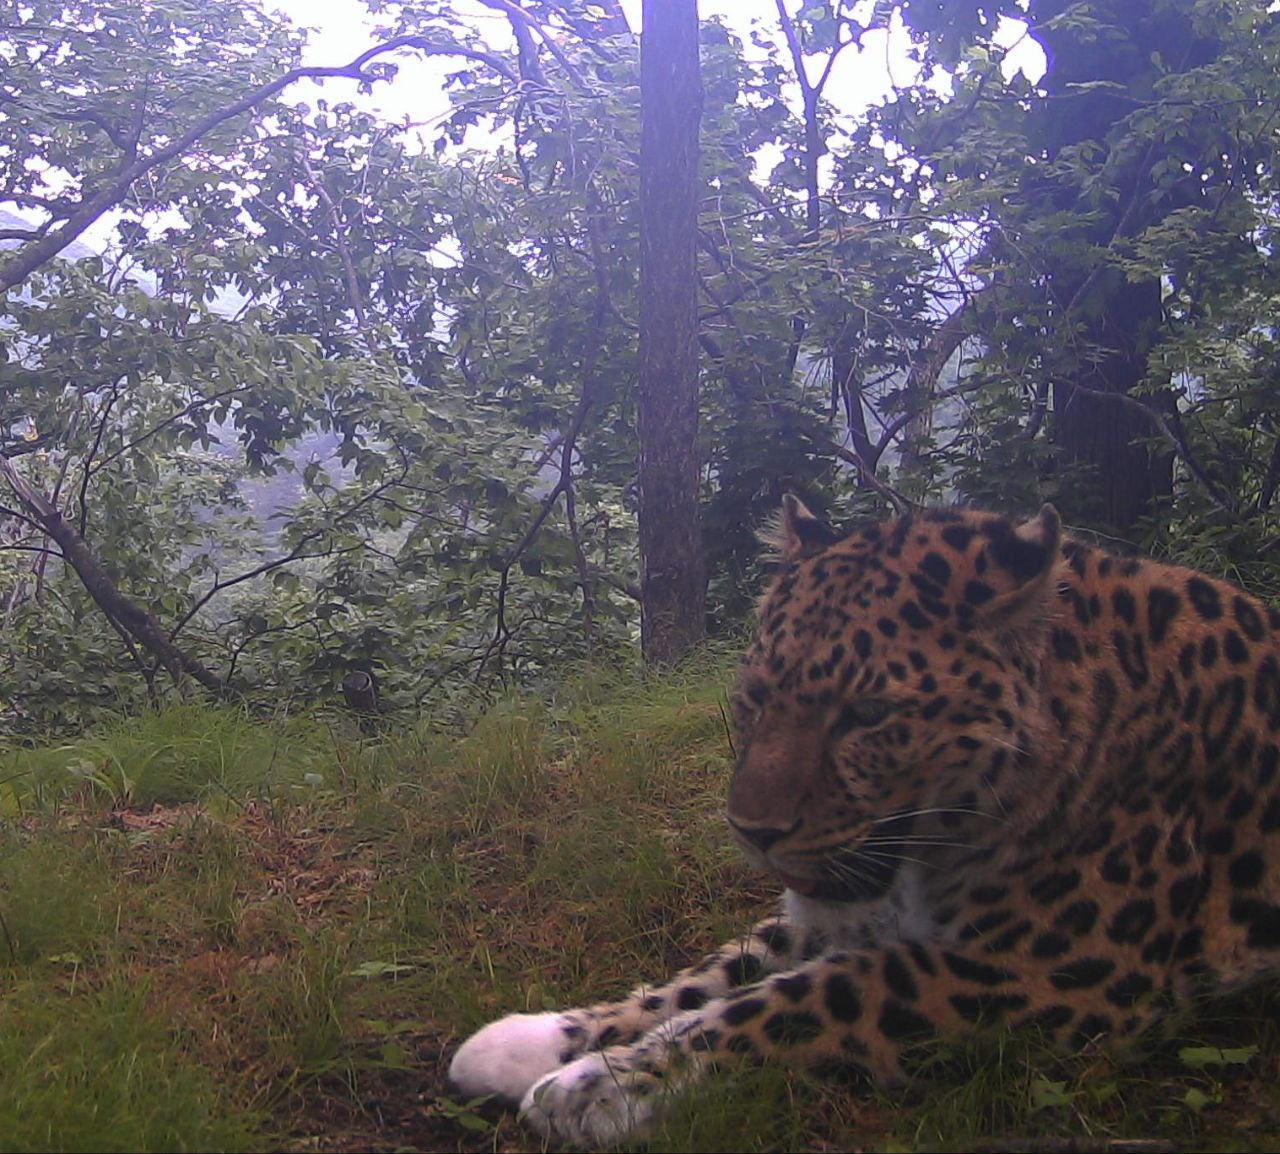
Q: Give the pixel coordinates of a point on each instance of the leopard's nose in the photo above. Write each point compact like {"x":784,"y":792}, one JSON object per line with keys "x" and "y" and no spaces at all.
{"x":761,"y":836}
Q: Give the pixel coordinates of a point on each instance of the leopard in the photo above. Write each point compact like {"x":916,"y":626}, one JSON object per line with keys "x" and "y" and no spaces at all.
{"x":1006,"y":779}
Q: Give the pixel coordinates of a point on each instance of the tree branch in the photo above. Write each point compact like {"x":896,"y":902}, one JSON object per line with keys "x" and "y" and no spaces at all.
{"x":586,"y":400}
{"x":344,"y":252}
{"x":294,"y":554}
{"x":518,"y":16}
{"x":140,"y":624}
{"x":1180,"y":449}
{"x":185,"y":411}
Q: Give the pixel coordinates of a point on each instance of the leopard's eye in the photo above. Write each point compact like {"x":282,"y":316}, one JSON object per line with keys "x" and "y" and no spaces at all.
{"x":860,"y":714}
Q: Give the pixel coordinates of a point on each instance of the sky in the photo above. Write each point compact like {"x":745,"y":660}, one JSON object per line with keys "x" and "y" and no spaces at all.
{"x":342,"y":29}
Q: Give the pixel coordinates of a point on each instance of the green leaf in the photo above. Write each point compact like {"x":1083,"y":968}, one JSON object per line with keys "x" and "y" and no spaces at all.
{"x":1195,"y":1100}
{"x":1046,"y":1094}
{"x":395,"y":1056}
{"x":1202,"y":1057}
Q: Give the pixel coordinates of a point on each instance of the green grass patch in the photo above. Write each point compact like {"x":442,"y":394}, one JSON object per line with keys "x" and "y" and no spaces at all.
{"x":109,"y":1076}
{"x":54,"y":897}
{"x":225,"y":932}
{"x":180,"y":754}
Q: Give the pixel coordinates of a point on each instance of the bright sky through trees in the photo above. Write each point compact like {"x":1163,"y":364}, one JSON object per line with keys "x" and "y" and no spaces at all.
{"x":342,"y":28}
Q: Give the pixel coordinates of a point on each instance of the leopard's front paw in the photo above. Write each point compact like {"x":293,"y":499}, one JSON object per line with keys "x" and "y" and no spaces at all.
{"x":508,"y":1056}
{"x":593,"y":1102}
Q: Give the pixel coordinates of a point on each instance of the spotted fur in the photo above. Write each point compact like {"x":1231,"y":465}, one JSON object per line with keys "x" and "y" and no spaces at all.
{"x":1004,"y":777}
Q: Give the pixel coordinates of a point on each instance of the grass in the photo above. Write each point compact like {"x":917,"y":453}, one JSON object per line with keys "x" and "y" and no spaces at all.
{"x":113,"y":1077}
{"x":224,"y":932}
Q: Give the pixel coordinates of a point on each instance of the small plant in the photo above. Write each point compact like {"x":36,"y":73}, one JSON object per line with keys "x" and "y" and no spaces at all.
{"x":466,"y":1114}
{"x":1204,"y":1060}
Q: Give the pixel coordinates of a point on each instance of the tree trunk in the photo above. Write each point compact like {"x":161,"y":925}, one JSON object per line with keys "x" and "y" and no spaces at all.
{"x":846,"y":391}
{"x":1093,"y":83}
{"x":1094,"y":427}
{"x":673,"y":572}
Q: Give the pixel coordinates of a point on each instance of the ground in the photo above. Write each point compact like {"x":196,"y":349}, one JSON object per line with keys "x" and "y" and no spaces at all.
{"x":235,"y":933}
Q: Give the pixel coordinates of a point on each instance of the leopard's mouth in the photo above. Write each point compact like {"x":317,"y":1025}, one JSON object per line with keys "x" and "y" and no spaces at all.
{"x":803,"y":886}
{"x":874,"y":880}
{"x":859,"y":873}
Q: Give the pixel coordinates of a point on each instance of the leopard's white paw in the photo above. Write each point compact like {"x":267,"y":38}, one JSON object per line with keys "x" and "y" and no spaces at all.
{"x":508,"y":1056}
{"x":591,"y":1103}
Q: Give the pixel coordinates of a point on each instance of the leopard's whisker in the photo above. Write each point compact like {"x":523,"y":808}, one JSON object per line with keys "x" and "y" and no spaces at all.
{"x":917,"y":841}
{"x":926,"y":812}
{"x":846,"y":870}
{"x":884,"y":855}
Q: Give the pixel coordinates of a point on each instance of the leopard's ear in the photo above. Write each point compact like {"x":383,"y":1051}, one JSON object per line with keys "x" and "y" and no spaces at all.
{"x":1023,"y":560}
{"x":799,"y":533}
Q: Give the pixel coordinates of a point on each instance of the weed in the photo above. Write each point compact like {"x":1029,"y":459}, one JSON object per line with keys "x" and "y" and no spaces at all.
{"x":53,"y":895}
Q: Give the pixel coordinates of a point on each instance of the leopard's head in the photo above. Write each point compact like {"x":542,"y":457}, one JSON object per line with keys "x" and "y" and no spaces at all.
{"x":888,"y":710}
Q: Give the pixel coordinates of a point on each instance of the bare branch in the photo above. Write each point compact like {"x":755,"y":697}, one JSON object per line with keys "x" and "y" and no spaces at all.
{"x":185,"y":411}
{"x":40,"y":549}
{"x":902,"y":420}
{"x":13,"y":449}
{"x":615,"y":582}
{"x":901,"y":503}
{"x":6,"y":511}
{"x":297,"y":553}
{"x":88,"y":461}
{"x":1179,"y":446}
{"x":113,"y":132}
{"x":354,"y":297}
{"x":586,"y":400}
{"x":519,"y":17}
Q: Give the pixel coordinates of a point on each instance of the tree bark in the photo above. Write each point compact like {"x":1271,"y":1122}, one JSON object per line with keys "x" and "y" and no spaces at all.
{"x":1093,"y":83}
{"x":673,"y":571}
{"x":1108,"y":436}
{"x":846,"y":390}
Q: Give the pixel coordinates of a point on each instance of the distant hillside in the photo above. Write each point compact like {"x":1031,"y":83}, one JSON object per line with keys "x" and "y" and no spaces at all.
{"x":273,"y":497}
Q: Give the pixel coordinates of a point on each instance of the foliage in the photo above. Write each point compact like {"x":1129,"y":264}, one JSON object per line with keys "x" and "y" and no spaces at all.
{"x":1111,"y":229}
{"x":344,"y":394}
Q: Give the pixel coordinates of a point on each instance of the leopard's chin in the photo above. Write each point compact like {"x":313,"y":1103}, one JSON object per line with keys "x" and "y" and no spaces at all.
{"x":805,"y":887}
{"x":863,"y":889}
